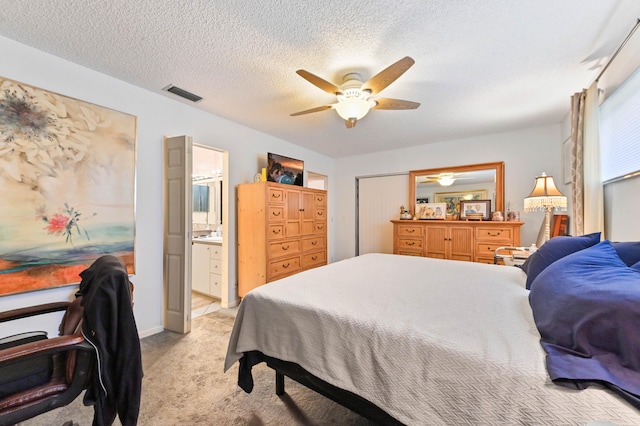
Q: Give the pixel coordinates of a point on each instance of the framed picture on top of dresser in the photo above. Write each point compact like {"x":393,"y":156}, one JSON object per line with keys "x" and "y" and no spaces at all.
{"x":431,"y":211}
{"x":475,"y":209}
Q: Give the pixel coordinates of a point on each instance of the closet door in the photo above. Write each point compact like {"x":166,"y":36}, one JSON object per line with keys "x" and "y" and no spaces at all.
{"x":379,"y":201}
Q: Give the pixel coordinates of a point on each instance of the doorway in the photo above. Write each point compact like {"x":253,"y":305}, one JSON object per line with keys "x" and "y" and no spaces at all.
{"x":317,"y":181}
{"x":207,"y":220}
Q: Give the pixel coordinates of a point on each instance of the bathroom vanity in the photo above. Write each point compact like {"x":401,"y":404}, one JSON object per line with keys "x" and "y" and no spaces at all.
{"x":206,"y":254}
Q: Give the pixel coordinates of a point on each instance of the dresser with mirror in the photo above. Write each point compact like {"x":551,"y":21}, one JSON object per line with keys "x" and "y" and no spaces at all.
{"x":451,"y":210}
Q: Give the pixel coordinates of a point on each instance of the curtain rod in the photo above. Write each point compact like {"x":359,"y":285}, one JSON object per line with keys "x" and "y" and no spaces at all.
{"x":633,"y":30}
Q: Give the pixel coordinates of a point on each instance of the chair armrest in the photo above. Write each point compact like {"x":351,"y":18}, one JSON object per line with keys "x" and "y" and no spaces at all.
{"x":44,"y":347}
{"x":30,"y":311}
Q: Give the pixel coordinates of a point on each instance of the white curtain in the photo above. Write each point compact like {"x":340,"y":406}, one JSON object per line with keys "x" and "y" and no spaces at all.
{"x":593,"y":188}
{"x":577,"y":143}
{"x":586,"y":182}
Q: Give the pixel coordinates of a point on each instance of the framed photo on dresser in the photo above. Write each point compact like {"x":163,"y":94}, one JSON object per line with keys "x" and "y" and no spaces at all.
{"x":472,"y":208}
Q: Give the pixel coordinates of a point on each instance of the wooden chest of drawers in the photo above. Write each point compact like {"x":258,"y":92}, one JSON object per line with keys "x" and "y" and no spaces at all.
{"x":282,"y":230}
{"x":473,"y":241}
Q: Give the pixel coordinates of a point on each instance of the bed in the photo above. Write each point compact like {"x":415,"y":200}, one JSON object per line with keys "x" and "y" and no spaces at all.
{"x":410,"y":340}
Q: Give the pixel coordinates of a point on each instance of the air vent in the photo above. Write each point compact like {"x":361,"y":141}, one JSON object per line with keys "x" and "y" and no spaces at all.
{"x":182,"y":93}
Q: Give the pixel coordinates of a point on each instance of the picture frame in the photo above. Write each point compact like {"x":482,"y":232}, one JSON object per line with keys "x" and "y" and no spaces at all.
{"x":431,"y":211}
{"x":74,"y":200}
{"x":453,"y":199}
{"x":472,"y":207}
{"x":284,"y":170}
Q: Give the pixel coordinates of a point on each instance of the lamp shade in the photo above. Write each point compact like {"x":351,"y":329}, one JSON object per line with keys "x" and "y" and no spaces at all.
{"x":544,"y":195}
{"x":353,"y":108}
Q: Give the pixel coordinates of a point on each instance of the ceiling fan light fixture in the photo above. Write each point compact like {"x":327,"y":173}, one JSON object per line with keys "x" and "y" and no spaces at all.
{"x":353,"y":95}
{"x":446,"y":180}
{"x":353,"y":108}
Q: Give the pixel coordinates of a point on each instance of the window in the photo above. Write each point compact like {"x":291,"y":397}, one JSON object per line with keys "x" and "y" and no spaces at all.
{"x":620,"y":131}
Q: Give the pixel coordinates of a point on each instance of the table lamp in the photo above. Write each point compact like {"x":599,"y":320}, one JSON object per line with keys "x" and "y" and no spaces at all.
{"x":545,"y":196}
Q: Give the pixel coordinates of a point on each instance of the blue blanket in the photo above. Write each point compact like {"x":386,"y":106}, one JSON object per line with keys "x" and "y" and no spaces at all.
{"x":587,"y":309}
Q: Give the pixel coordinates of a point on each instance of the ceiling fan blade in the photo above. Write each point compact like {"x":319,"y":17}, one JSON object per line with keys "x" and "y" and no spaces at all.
{"x":388,"y":75}
{"x":319,"y":82}
{"x":309,"y":111}
{"x":350,"y":123}
{"x":387,"y":103}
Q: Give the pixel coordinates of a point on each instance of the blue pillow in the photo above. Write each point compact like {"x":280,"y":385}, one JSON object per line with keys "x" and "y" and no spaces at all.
{"x":636,"y":266}
{"x":587,"y":309}
{"x":554,"y":249}
{"x":629,"y":251}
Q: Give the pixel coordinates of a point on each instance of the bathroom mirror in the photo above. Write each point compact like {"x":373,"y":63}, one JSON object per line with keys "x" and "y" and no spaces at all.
{"x":452,"y":184}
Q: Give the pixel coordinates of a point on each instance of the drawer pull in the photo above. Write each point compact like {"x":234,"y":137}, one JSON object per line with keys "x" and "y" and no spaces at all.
{"x":314,"y":243}
{"x":410,"y":243}
{"x":411,"y":231}
{"x":275,"y":195}
{"x":276,"y":231}
{"x":319,"y":227}
{"x":319,"y":199}
{"x":314,"y":257}
{"x":494,"y":235}
{"x":319,"y":213}
{"x":285,"y":248}
{"x":286,"y":266}
{"x":276,"y":213}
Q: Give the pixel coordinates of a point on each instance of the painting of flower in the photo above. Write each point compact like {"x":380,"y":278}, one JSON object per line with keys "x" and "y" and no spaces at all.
{"x":78,"y":158}
{"x":65,"y":223}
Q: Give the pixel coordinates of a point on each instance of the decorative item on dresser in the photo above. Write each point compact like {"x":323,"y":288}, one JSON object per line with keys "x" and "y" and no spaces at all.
{"x":473,"y":241}
{"x":282,"y":230}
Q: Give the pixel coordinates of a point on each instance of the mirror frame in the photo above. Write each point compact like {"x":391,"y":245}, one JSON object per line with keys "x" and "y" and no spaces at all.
{"x":497,"y":166}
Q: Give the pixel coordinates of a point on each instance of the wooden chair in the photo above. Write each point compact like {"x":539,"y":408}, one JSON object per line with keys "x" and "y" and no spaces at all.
{"x":39,"y":374}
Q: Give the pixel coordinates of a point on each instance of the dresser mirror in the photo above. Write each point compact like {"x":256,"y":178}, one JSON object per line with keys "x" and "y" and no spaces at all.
{"x":450,"y":185}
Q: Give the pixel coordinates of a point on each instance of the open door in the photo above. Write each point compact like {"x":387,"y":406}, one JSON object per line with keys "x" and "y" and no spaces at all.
{"x":177,"y":233}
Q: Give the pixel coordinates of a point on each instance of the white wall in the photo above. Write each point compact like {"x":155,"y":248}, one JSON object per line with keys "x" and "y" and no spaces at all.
{"x":526,"y":154}
{"x":158,"y":116}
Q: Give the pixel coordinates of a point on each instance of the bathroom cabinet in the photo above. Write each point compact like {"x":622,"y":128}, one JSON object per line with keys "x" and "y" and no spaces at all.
{"x":206,"y":271}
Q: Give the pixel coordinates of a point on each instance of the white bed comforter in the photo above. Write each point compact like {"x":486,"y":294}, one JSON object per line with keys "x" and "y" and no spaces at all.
{"x":429,"y":341}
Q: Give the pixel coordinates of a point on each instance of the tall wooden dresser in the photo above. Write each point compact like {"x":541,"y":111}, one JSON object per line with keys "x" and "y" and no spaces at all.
{"x":282,"y":230}
{"x":473,"y":241}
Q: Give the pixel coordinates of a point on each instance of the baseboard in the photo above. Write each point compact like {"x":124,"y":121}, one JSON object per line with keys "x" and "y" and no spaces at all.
{"x":150,"y":332}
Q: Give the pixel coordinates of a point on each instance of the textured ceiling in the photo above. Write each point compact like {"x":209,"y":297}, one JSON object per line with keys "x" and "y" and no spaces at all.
{"x":482,"y":66}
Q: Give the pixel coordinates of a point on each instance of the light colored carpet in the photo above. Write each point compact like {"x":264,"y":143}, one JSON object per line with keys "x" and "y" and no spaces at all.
{"x":184,"y":385}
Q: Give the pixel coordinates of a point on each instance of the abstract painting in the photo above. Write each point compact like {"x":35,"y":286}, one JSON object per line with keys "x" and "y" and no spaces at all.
{"x":67,"y":182}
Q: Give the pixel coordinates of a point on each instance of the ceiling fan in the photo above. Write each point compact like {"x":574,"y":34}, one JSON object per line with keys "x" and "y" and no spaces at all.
{"x":354,"y":96}
{"x":444,"y":179}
